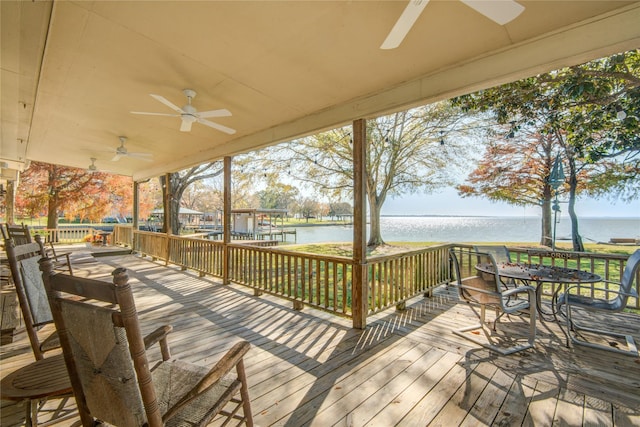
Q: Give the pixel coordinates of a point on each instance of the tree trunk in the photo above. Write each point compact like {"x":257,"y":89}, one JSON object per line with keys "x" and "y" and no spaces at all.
{"x":578,"y":246}
{"x":174,"y":201}
{"x":52,"y":211}
{"x":576,"y":239}
{"x":375,"y":236}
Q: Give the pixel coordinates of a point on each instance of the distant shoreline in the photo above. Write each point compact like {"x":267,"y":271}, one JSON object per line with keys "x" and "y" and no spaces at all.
{"x":498,"y":216}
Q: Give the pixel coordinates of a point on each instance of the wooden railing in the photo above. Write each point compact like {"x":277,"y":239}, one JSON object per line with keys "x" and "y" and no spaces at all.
{"x":204,"y":256}
{"x":325,"y":282}
{"x":607,"y":266}
{"x":65,"y":235}
{"x":319,"y":281}
{"x":152,"y":244}
{"x":123,"y":235}
{"x":394,"y":279}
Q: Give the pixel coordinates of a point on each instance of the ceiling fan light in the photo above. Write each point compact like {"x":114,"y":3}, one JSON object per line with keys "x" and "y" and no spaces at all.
{"x":188,"y":118}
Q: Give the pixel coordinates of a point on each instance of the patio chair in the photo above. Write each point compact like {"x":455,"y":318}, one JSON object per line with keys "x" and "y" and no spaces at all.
{"x":484,"y":291}
{"x":572,"y":300}
{"x":32,"y":296}
{"x":107,"y":361}
{"x":501,"y":254}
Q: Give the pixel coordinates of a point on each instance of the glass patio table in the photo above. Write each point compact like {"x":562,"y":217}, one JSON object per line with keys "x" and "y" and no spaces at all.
{"x":538,"y":274}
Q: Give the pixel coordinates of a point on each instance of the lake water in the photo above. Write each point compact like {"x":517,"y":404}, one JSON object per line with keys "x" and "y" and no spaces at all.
{"x":476,"y":229}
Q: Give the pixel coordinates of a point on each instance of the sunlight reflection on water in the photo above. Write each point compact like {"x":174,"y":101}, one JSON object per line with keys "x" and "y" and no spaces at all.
{"x":476,"y":229}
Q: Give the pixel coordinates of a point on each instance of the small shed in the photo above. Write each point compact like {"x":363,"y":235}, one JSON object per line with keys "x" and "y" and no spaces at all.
{"x":186,"y":216}
{"x":251,"y":221}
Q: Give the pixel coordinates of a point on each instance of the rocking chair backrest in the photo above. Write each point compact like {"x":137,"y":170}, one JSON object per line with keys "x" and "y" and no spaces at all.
{"x":103,"y":348}
{"x":32,"y":295}
{"x":19,"y":233}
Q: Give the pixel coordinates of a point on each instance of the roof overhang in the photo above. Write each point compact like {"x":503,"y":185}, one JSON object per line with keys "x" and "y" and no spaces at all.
{"x":72,"y":72}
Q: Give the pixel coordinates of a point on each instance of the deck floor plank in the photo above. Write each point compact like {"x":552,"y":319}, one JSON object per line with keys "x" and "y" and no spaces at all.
{"x":406,"y":368}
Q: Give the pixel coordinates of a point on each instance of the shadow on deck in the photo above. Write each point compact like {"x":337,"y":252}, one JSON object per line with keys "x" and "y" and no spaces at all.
{"x":405,"y":368}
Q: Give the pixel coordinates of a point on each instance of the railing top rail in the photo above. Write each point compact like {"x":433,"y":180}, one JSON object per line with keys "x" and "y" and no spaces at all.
{"x":408,"y":254}
{"x":335,"y":258}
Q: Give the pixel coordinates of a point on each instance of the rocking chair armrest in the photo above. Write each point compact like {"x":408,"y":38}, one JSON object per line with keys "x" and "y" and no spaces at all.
{"x":160,"y":336}
{"x":63,"y":254}
{"x":232,"y":358}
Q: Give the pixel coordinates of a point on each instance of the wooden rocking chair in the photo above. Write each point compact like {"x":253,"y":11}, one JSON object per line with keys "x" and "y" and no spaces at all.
{"x":106,"y":358}
{"x":21,"y":235}
{"x":32,"y":295}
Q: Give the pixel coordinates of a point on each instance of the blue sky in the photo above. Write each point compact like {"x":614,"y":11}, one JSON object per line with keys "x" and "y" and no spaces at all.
{"x":447,"y":202}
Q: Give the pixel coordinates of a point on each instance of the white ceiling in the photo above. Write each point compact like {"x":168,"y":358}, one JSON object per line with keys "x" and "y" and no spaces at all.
{"x":73,"y":71}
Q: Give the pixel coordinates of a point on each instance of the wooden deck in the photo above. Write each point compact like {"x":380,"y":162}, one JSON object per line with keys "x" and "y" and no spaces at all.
{"x":309,"y":368}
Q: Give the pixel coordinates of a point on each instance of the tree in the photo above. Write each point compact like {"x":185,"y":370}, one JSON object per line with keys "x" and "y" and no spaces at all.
{"x":180,"y":181}
{"x":516,"y":170}
{"x":407,"y":152}
{"x":340,"y":209}
{"x":278,"y":196}
{"x":57,"y":189}
{"x":578,"y":109}
{"x":308,"y":208}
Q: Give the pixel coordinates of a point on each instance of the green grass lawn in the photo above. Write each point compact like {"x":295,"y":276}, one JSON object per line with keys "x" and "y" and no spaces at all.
{"x":346,"y":249}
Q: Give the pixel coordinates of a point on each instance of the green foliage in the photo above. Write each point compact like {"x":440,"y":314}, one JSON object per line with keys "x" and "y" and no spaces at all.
{"x":572,"y":112}
{"x":410,"y":151}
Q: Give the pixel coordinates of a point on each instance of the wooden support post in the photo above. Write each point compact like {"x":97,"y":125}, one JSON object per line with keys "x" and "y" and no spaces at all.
{"x":167,"y":214}
{"x":226,"y":220}
{"x":136,"y":215}
{"x":10,"y":201}
{"x":360,"y":288}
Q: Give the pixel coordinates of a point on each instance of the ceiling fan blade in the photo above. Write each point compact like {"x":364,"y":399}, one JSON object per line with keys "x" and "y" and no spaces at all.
{"x":168,"y":103}
{"x":116,"y":158}
{"x":217,"y":126}
{"x":185,"y":126}
{"x":154,"y":114}
{"x":147,"y":157}
{"x":215,"y":113}
{"x":500,"y":12}
{"x":404,"y":24}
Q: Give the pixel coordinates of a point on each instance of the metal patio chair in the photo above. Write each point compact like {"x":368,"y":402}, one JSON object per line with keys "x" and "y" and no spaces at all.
{"x":106,"y":357}
{"x":572,"y":300}
{"x":484,"y":291}
{"x":501,"y":254}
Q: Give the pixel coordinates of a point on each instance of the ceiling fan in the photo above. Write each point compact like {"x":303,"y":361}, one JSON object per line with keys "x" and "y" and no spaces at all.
{"x":92,"y":167}
{"x":188,"y":114}
{"x":121,"y":151}
{"x":499,"y":11}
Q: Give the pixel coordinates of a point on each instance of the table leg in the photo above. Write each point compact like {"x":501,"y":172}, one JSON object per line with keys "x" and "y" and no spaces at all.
{"x":541,"y":311}
{"x":31,"y":418}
